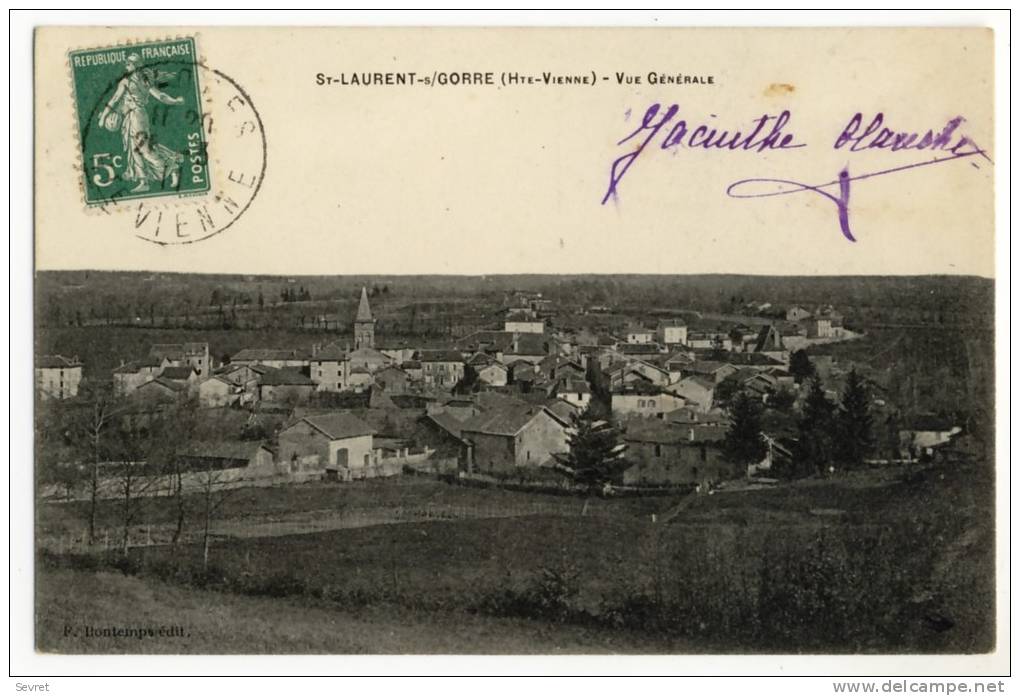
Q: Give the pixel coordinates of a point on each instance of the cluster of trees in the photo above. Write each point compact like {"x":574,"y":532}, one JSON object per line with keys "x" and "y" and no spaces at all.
{"x":95,"y":448}
{"x":301,"y":294}
{"x":829,"y":435}
{"x":833,"y":434}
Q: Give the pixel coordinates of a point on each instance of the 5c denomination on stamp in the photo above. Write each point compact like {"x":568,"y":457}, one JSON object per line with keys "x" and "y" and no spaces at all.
{"x":140,"y":121}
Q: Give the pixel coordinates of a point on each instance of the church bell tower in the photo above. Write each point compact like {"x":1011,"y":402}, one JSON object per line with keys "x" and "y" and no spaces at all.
{"x":364,"y":324}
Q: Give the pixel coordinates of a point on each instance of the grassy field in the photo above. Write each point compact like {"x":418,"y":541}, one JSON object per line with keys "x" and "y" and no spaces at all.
{"x":217,"y":623}
{"x":409,"y":495}
{"x":872,"y":562}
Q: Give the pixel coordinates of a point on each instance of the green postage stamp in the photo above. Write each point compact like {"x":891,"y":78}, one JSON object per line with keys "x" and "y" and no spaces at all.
{"x":140,"y":121}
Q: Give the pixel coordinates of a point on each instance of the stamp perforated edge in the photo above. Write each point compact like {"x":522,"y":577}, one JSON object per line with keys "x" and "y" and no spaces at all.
{"x":169,"y":202}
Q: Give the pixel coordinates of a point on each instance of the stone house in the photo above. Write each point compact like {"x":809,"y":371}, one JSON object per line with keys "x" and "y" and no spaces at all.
{"x":392,"y":379}
{"x":218,"y":391}
{"x":441,"y":368}
{"x":520,"y":323}
{"x":796,"y":313}
{"x":329,"y":368}
{"x":271,"y":357}
{"x":131,"y":375}
{"x":185,"y":375}
{"x":194,"y":355}
{"x":639,"y":336}
{"x":57,"y":377}
{"x":671,"y":332}
{"x":337,"y":441}
{"x":644,"y":401}
{"x":575,"y":392}
{"x":160,"y":391}
{"x":697,"y":390}
{"x":667,"y":454}
{"x":508,"y":438}
{"x":285,"y":386}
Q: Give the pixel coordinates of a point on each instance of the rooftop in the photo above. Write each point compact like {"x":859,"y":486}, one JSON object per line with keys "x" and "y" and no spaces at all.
{"x":175,"y":372}
{"x":283,"y":377}
{"x":364,"y":311}
{"x":338,"y":426}
{"x":505,"y":420}
{"x":440,"y":356}
{"x":55,"y":361}
{"x":266,"y":354}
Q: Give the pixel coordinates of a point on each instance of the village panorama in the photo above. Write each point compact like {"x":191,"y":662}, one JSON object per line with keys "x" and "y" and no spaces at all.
{"x":513,"y":464}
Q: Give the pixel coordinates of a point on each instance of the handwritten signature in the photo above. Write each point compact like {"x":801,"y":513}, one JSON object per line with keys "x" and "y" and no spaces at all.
{"x":768,"y":134}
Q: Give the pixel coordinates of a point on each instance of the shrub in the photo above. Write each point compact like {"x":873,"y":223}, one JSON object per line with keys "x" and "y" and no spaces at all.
{"x":551,"y":595}
{"x":275,"y":585}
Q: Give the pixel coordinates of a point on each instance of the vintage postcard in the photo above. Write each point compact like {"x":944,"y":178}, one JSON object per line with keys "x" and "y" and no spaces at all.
{"x":645,"y":341}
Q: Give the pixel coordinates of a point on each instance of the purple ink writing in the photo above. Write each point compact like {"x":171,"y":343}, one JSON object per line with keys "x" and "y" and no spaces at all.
{"x":766,"y":133}
{"x":783,"y":187}
{"x":875,"y":136}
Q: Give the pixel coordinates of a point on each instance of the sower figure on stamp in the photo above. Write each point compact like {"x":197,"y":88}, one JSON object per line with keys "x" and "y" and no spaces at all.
{"x":146,"y":160}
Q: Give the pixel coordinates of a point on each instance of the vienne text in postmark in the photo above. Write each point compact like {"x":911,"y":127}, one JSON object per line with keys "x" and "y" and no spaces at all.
{"x":173,"y":148}
{"x":140,"y":121}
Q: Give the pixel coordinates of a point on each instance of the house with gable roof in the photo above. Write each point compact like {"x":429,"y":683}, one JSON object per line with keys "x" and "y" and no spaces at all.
{"x":337,"y":441}
{"x":512,"y":436}
{"x":194,"y":355}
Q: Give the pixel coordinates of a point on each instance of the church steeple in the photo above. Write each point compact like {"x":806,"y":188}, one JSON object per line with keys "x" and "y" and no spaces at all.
{"x":364,"y":324}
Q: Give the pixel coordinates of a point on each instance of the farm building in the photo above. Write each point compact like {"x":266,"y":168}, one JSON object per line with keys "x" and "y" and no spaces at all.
{"x":160,"y":390}
{"x":285,"y":386}
{"x":226,"y":454}
{"x":218,"y":391}
{"x":335,"y":441}
{"x":665,"y":454}
{"x":512,"y":436}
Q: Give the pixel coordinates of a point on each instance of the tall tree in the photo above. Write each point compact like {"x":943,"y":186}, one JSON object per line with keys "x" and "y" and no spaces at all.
{"x":177,"y":426}
{"x":854,"y":436}
{"x":214,"y":487}
{"x":801,"y":366}
{"x":813,"y":452}
{"x":88,"y":429}
{"x":595,"y":455}
{"x":727,"y":390}
{"x":718,"y":351}
{"x":469,"y":382}
{"x":743,"y":443}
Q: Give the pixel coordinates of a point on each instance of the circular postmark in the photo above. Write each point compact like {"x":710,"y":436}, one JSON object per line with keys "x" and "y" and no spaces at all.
{"x":174,"y":148}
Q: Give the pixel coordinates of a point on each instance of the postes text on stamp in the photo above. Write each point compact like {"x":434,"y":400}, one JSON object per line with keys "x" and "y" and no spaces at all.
{"x":140,"y":121}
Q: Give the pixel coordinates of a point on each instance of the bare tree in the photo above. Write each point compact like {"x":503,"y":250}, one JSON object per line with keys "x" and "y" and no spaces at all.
{"x":176,"y":427}
{"x":133,"y":483}
{"x":88,"y":429}
{"x":214,"y":491}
